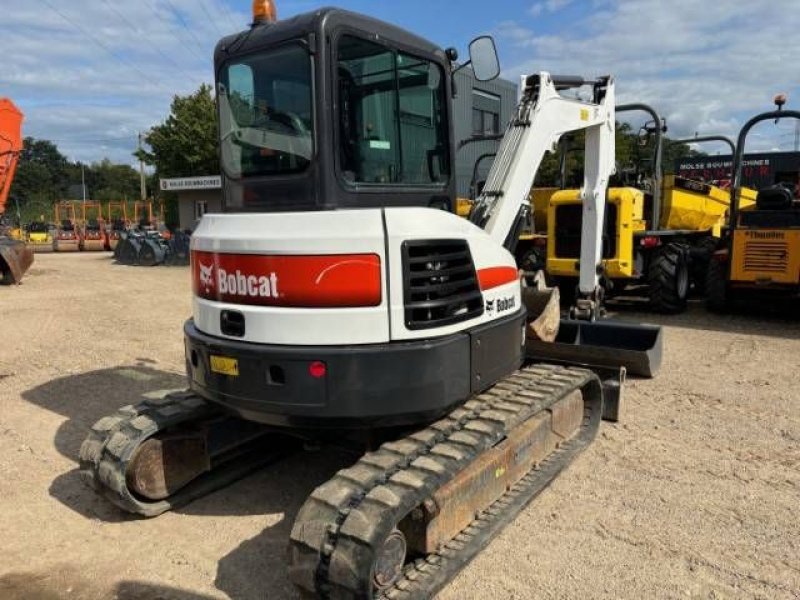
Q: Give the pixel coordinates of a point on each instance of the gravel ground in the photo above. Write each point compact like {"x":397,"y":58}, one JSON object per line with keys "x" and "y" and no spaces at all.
{"x":694,"y":494}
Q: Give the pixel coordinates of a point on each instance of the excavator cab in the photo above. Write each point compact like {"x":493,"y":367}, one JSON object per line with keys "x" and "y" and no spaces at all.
{"x":333,"y":109}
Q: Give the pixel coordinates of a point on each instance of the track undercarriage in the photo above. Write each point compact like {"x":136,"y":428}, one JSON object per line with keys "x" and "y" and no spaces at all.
{"x":402,"y":520}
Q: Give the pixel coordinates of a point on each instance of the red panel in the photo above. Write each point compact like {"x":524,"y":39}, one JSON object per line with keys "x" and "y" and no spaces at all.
{"x":492,"y":277}
{"x":307,"y":281}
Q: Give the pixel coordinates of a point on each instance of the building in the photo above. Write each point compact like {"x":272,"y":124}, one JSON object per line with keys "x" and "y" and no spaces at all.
{"x":759,"y":170}
{"x":196,"y":197}
{"x":479,"y":108}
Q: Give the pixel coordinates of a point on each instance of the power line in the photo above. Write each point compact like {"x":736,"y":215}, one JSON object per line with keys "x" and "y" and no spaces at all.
{"x":185,"y":25}
{"x":101,"y":44}
{"x":210,"y":18}
{"x":91,"y":140}
{"x":201,"y":54}
{"x":143,"y":34}
{"x":229,"y":15}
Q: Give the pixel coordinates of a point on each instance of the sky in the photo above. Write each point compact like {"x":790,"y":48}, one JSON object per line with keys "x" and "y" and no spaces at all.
{"x":91,"y":74}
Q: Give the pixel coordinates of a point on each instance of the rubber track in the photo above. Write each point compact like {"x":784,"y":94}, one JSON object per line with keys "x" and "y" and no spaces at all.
{"x":339,"y":528}
{"x":105,"y":453}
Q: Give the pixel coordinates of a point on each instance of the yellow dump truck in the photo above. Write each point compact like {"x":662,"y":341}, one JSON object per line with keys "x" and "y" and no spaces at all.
{"x":657,"y":241}
{"x":758,"y":258}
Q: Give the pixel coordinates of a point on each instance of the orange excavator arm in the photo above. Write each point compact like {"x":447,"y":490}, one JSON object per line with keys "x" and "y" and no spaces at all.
{"x":10,"y":146}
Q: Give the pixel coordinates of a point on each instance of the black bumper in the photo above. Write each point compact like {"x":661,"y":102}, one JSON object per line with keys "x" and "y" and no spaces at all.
{"x":365,"y":386}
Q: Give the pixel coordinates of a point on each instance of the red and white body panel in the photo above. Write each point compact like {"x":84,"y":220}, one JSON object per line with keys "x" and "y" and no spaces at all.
{"x":294,"y":293}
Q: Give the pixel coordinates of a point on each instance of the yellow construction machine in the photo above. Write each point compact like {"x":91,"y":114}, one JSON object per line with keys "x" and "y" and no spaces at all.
{"x":759,"y":253}
{"x":658,"y":231}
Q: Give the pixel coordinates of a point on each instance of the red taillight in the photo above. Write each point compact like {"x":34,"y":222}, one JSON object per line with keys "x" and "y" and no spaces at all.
{"x":317,"y":369}
{"x":650,"y":241}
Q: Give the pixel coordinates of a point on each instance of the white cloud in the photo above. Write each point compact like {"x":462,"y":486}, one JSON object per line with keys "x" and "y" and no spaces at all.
{"x":705,"y":70}
{"x":99,"y":72}
{"x":549,"y":6}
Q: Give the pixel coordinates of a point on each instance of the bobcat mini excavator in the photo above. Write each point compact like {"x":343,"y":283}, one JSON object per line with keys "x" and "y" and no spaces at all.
{"x":335,"y":299}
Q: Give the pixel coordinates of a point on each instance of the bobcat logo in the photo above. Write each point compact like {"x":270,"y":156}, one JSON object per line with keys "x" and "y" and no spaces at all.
{"x":206,"y":276}
{"x":490,"y":306}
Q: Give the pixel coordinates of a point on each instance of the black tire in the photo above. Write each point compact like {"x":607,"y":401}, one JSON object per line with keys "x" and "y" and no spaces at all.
{"x":716,"y":287}
{"x":701,"y":257}
{"x":668,"y":278}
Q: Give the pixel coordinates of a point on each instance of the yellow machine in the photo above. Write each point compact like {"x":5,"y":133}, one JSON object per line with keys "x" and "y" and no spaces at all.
{"x":688,"y":206}
{"x":759,"y":255}
{"x":658,"y":238}
{"x":39,"y":237}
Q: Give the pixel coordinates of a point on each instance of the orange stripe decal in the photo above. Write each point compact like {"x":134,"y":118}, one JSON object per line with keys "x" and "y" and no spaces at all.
{"x":307,"y":281}
{"x":492,"y":277}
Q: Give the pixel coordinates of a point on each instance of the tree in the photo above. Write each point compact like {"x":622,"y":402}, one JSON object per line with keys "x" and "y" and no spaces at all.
{"x":185,"y":144}
{"x":42,"y":173}
{"x":108,"y":181}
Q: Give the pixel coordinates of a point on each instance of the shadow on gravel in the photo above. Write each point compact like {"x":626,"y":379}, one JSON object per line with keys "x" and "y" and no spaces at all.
{"x":84,"y":398}
{"x":256,"y":568}
{"x":64,"y":582}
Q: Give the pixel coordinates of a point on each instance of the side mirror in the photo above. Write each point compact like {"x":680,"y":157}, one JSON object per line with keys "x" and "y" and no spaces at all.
{"x":644,"y":137}
{"x":483,"y":56}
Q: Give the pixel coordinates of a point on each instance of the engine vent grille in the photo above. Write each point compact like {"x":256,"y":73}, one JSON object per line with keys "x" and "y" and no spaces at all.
{"x":768,"y":257}
{"x":440,"y":284}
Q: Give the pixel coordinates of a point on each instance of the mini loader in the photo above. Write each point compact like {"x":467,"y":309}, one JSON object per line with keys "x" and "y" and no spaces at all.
{"x":337,"y":297}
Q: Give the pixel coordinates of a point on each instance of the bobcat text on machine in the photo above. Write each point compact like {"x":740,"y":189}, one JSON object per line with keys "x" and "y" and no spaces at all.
{"x":340,"y":297}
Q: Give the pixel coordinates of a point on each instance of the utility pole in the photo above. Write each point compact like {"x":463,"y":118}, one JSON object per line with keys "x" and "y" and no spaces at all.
{"x":83,"y":186}
{"x":142,"y":185}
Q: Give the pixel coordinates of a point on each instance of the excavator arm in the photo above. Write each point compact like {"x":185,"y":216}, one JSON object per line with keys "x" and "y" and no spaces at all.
{"x":10,"y":146}
{"x":15,"y":257}
{"x":542,"y":117}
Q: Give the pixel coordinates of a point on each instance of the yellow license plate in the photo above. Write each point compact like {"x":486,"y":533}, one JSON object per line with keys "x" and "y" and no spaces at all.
{"x":224,"y":365}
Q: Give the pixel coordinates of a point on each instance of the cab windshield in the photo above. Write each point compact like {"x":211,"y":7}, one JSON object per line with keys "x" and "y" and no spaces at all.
{"x":392,"y":117}
{"x":266,"y":113}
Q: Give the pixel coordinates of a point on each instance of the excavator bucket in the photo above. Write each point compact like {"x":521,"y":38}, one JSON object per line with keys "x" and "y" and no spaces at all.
{"x":127,"y":251}
{"x":178,"y":254}
{"x":544,"y":310}
{"x":151,"y":253}
{"x":15,"y":259}
{"x":603,"y":344}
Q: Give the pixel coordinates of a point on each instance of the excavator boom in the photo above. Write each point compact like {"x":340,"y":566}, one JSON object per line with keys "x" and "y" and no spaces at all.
{"x":15,"y":257}
{"x":10,"y":146}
